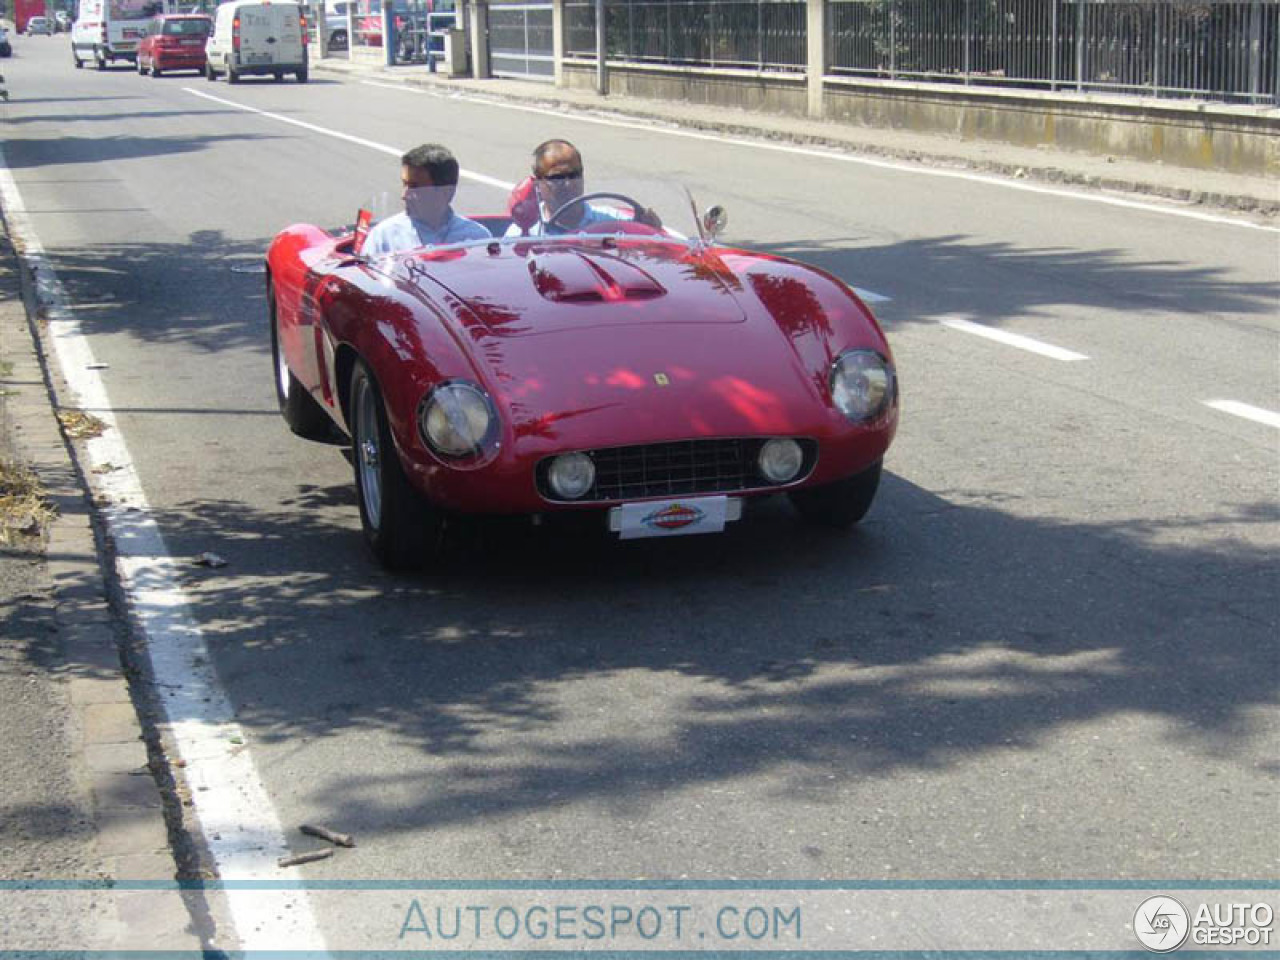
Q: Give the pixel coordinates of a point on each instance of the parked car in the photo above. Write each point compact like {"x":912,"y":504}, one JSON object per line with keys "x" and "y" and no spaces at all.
{"x":641,"y":373}
{"x":335,"y":24}
{"x":6,"y":48}
{"x":174,"y":42}
{"x":257,"y":37}
{"x":39,"y":25}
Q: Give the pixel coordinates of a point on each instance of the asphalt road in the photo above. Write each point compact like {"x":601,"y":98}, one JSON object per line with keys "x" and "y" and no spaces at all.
{"x":1049,"y":651}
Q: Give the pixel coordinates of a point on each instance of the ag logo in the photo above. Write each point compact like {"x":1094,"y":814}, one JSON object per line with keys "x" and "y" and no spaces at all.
{"x":1161,"y":923}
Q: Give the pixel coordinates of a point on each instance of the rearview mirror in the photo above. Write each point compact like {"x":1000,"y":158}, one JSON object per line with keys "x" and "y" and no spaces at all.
{"x":714,"y":221}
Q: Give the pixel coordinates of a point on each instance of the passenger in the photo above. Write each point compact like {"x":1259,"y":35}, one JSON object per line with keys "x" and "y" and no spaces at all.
{"x":558,"y":179}
{"x":429,"y":174}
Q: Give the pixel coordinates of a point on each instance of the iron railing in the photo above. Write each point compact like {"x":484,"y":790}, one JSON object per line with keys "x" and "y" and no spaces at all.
{"x":1223,"y":50}
{"x":1226,"y":50}
{"x":752,"y":34}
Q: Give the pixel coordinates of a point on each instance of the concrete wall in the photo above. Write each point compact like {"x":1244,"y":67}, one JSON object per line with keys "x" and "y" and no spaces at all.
{"x":1237,"y":139}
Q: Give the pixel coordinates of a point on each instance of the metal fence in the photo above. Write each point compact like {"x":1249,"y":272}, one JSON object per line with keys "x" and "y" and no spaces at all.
{"x":1227,"y":50}
{"x":1224,"y":50}
{"x":753,"y":34}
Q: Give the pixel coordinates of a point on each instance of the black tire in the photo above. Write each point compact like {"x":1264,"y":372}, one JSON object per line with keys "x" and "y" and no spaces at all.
{"x":232,"y":76}
{"x":78,"y":61}
{"x":279,"y":75}
{"x":302,"y":75}
{"x":100,"y":61}
{"x":155,"y":71}
{"x":400,"y":528}
{"x":300,"y":410}
{"x":209,"y":73}
{"x":840,"y":504}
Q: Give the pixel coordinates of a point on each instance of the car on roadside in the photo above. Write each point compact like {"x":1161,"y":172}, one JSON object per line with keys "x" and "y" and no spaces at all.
{"x":6,"y":47}
{"x":174,"y":42}
{"x":631,"y":368}
{"x":39,"y":25}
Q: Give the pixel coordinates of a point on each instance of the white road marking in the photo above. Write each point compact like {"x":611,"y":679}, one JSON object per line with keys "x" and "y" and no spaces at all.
{"x":359,"y":141}
{"x":233,"y":807}
{"x":1249,"y":412}
{"x":652,"y":128}
{"x":1011,"y":339}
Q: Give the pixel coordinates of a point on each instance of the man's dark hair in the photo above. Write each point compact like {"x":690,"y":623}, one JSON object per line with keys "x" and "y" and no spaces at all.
{"x":440,"y":164}
{"x":547,"y":146}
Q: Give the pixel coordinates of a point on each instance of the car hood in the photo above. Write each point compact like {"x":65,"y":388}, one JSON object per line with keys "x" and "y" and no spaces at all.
{"x":642,"y":342}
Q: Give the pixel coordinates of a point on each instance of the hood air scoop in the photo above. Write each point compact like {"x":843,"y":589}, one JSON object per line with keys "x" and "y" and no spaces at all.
{"x":571,"y":276}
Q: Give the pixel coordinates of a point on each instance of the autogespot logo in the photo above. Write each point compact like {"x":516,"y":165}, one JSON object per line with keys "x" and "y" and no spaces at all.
{"x":1161,"y":924}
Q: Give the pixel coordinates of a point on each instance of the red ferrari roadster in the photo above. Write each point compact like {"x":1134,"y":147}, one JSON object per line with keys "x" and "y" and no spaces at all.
{"x":600,"y":359}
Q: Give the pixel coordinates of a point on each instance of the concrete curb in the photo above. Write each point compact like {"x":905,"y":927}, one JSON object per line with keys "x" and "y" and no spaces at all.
{"x":114,"y":759}
{"x":1251,"y":195}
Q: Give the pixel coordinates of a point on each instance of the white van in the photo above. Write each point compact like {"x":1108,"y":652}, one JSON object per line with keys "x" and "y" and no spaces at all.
{"x":257,"y":37}
{"x":108,"y":30}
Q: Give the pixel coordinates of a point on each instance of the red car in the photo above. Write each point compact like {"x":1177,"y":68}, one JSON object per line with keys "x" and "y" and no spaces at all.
{"x":649,"y":375}
{"x":174,"y":42}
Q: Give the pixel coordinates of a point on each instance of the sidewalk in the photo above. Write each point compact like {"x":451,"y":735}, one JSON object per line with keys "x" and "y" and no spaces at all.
{"x":1212,"y":189}
{"x":81,"y":801}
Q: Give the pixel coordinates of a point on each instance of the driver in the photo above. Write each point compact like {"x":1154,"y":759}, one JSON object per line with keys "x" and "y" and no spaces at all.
{"x":429,"y":175}
{"x":558,"y":180}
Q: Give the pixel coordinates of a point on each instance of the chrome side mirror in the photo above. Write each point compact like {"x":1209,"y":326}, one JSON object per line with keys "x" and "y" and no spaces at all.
{"x":714,"y":221}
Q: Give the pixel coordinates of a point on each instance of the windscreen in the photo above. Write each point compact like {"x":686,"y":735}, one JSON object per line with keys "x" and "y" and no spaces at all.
{"x":186,"y":28}
{"x":132,"y":9}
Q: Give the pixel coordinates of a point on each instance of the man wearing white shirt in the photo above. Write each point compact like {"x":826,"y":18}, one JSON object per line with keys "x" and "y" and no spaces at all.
{"x":557,"y":180}
{"x":429,"y":176}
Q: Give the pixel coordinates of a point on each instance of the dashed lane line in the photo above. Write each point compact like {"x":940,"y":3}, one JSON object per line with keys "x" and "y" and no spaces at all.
{"x":1012,"y":339}
{"x":1245,"y":410}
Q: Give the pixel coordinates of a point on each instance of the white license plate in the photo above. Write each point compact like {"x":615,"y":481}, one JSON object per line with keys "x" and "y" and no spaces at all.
{"x":258,"y":58}
{"x":673,"y":518}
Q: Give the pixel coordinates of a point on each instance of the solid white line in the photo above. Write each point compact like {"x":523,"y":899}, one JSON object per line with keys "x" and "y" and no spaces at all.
{"x":1011,"y":339}
{"x":652,"y":128}
{"x":1235,"y":408}
{"x":359,"y":141}
{"x":239,"y":824}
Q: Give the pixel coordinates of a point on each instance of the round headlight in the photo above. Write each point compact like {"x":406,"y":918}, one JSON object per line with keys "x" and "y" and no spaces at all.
{"x":862,"y":384}
{"x":457,"y":420}
{"x":780,"y":460}
{"x":571,"y":475}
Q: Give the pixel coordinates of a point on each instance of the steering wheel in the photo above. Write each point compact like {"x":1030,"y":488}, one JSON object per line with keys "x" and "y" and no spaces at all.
{"x":587,"y":198}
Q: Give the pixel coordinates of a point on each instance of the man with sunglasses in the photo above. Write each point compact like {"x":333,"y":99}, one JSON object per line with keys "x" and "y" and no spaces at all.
{"x":429,"y":178}
{"x":558,"y":180}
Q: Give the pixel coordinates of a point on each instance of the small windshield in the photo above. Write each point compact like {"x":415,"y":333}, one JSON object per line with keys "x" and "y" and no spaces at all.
{"x":488,"y":210}
{"x":132,"y":9}
{"x":194,"y":27}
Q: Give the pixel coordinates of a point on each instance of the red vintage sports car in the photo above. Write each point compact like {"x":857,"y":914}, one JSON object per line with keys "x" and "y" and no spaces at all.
{"x":611,"y":362}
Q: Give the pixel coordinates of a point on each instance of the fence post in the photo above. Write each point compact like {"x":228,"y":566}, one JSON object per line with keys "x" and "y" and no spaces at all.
{"x":893,"y":39}
{"x":1079,"y":47}
{"x":1156,"y":49}
{"x":816,"y":54}
{"x":967,"y":35}
{"x":760,"y":35}
{"x":479,"y":31}
{"x":602,"y":51}
{"x":1053,"y":50}
{"x":557,"y":40}
{"x":1255,"y":51}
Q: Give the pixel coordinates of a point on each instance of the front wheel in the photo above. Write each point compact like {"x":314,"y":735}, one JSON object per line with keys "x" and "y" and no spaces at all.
{"x":300,"y":410}
{"x":840,"y":504}
{"x":209,"y":73}
{"x":302,"y":75}
{"x":401,"y":529}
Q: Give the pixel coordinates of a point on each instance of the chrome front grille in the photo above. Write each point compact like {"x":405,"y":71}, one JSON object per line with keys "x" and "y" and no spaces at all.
{"x":677,"y":469}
